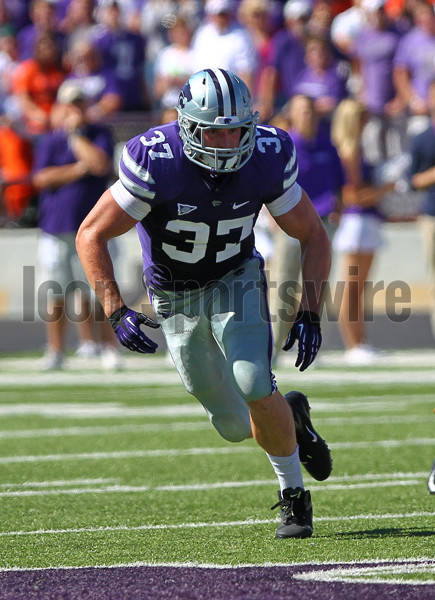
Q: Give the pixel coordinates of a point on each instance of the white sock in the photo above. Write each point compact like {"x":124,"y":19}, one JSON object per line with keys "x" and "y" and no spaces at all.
{"x":288,"y":470}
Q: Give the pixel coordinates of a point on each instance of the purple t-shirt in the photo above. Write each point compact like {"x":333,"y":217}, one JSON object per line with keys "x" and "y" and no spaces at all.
{"x":320,"y":171}
{"x":375,"y":49}
{"x":199,"y":228}
{"x":317,"y":85}
{"x":95,"y":85}
{"x":288,"y":57}
{"x":124,"y":53}
{"x":416,"y":52}
{"x":62,"y":209}
{"x":26,"y":39}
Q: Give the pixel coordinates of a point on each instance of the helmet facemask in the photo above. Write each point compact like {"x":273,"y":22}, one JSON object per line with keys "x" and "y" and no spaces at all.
{"x":216,"y":99}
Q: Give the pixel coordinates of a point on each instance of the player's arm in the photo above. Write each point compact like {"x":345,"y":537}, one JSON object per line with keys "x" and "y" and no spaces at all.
{"x":106,"y":221}
{"x":303,"y":223}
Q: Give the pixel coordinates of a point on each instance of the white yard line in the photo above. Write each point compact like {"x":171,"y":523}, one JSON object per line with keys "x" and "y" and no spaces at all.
{"x":125,"y":454}
{"x":235,"y":449}
{"x":416,"y":366}
{"x":430,"y":562}
{"x":191,"y":426}
{"x":110,"y":430}
{"x":170,"y":378}
{"x":58,"y":483}
{"x":104,"y":410}
{"x":332,"y":479}
{"x":246,"y":522}
{"x":388,"y":574}
{"x":90,"y":410}
{"x":383,"y":444}
{"x":140,"y":489}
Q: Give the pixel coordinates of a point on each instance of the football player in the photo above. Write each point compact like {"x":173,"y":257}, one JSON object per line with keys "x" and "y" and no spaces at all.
{"x":193,"y":188}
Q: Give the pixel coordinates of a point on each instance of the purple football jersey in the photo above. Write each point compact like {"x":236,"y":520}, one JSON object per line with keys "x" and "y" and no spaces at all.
{"x":200,"y":227}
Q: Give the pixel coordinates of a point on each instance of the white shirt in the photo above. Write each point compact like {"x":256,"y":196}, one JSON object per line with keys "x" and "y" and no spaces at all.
{"x":232,"y":50}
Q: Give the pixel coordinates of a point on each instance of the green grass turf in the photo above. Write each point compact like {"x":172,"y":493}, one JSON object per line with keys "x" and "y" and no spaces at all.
{"x":99,"y":487}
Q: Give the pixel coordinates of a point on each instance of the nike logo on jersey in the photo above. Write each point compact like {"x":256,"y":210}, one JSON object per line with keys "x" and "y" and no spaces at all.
{"x":235,"y":206}
{"x":313,"y":435}
{"x":183,"y":209}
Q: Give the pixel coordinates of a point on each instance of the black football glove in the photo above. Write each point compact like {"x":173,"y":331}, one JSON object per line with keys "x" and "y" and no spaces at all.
{"x":306,"y":329}
{"x":126,"y":325}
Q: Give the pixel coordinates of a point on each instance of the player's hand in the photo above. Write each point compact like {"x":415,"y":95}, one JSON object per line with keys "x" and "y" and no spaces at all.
{"x":126,"y":325}
{"x":306,"y":329}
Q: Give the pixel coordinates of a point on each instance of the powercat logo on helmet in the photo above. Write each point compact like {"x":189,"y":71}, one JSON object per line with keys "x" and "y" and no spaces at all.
{"x":226,"y":120}
{"x":185,"y":95}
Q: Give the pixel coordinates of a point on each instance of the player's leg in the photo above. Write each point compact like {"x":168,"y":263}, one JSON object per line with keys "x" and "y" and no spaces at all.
{"x":201,"y":363}
{"x":240,"y":324}
{"x":273,"y":429}
{"x":314,"y":453}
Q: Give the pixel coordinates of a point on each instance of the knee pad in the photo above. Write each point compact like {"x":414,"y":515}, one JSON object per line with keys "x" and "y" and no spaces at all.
{"x":227,"y":411}
{"x":253,"y":381}
{"x":233,"y":427}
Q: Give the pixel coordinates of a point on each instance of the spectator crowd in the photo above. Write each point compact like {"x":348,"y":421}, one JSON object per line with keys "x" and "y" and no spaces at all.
{"x":133,"y":55}
{"x":306,"y":63}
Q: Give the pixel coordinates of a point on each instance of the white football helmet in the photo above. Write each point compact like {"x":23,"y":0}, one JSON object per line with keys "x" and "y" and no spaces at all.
{"x":213,"y":99}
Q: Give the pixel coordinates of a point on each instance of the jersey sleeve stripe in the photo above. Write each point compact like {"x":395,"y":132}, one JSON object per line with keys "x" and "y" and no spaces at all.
{"x":130,"y":165}
{"x":132,"y":206}
{"x":290,"y":172}
{"x":286,"y":202}
{"x":135,"y":188}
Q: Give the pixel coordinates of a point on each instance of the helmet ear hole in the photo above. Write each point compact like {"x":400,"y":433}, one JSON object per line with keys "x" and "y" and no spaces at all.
{"x":215,"y":98}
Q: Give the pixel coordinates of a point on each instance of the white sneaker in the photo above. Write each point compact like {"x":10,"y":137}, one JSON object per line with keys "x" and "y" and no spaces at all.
{"x":111,"y":359}
{"x":52,"y":361}
{"x":361,"y":356}
{"x":88,"y":349}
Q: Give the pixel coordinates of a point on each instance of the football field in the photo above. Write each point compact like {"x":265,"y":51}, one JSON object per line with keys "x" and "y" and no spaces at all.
{"x":116,"y":486}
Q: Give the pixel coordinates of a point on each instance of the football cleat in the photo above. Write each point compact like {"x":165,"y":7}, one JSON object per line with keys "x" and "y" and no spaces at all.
{"x":314,"y":453}
{"x":296,"y":513}
{"x":431,"y":480}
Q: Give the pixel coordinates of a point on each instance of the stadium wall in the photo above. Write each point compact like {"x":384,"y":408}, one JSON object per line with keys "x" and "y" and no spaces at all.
{"x":399,"y":274}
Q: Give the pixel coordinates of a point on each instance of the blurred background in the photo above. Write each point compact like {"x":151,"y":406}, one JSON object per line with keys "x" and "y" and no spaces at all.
{"x":129,"y":58}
